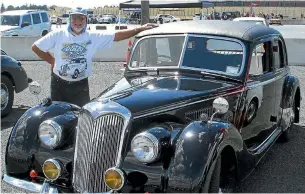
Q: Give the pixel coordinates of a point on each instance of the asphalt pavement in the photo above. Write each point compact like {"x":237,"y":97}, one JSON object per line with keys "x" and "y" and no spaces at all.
{"x":282,"y":170}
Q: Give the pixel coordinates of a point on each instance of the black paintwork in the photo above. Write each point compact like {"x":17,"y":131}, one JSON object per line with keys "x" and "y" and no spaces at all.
{"x":13,"y":69}
{"x":25,"y":152}
{"x":172,"y":99}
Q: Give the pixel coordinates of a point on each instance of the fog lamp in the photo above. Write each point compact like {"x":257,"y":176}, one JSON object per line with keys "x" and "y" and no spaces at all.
{"x":51,"y":169}
{"x":114,"y":178}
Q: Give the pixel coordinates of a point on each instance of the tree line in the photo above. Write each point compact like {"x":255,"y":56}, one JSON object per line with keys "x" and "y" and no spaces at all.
{"x":26,"y":6}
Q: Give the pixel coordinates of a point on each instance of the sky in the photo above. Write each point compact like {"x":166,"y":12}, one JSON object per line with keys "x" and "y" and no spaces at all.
{"x":67,"y":3}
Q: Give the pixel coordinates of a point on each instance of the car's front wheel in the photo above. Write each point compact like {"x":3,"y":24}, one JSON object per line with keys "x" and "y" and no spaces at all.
{"x":45,"y":32}
{"x":7,"y":95}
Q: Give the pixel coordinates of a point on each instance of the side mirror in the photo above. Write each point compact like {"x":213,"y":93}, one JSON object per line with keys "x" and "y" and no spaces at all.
{"x":25,"y":24}
{"x":35,"y":88}
{"x":221,"y":105}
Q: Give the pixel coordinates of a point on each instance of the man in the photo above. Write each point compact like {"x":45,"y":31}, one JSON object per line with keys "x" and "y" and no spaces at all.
{"x":74,"y":48}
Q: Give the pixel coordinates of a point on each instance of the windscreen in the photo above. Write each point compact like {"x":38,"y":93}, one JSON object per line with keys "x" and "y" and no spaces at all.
{"x":10,"y":20}
{"x":158,"y":52}
{"x":215,"y":55}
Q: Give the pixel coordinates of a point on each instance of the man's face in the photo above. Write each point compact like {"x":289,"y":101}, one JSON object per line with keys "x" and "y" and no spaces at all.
{"x":78,"y":22}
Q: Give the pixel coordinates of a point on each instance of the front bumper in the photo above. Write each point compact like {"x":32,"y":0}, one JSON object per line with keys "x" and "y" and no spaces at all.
{"x":32,"y":187}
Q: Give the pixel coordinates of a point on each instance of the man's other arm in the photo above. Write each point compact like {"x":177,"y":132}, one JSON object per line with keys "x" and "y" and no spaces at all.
{"x":125,"y":34}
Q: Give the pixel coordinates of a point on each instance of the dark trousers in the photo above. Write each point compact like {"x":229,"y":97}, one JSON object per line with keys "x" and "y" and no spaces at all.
{"x":76,"y":92}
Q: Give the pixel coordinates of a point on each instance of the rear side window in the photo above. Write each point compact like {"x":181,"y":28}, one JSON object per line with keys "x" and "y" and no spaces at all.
{"x":36,"y":18}
{"x":26,"y":19}
{"x":44,"y":17}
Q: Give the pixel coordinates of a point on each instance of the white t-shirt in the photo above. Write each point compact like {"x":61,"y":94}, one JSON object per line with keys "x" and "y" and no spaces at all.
{"x":73,"y":54}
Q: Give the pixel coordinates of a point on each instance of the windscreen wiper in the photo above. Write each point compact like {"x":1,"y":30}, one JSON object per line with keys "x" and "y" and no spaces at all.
{"x":218,"y":76}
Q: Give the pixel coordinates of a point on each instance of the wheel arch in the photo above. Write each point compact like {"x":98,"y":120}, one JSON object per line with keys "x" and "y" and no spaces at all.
{"x":297,"y":99}
{"x":9,"y":76}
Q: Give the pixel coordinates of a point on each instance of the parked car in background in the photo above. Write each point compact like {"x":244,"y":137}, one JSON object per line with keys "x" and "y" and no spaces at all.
{"x":230,"y":15}
{"x":25,"y":23}
{"x":53,"y":19}
{"x":107,"y":19}
{"x":64,"y":18}
{"x":175,"y":122}
{"x":200,"y":16}
{"x":256,"y":20}
{"x":166,"y":18}
{"x":13,"y":79}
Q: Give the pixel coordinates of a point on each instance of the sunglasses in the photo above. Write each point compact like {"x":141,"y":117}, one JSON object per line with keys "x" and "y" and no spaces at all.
{"x":76,"y":16}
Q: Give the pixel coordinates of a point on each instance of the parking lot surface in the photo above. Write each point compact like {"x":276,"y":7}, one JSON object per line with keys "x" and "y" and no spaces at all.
{"x":281,"y":170}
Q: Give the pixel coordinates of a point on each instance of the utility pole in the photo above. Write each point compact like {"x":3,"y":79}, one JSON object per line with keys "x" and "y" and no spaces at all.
{"x":144,"y":12}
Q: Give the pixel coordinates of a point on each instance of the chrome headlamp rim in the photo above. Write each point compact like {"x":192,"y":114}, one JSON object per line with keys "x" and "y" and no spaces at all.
{"x":58,"y":130}
{"x":121,"y":173}
{"x":58,"y":166}
{"x":155,"y":142}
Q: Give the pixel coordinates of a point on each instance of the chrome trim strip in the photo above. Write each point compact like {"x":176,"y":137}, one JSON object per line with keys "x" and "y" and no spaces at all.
{"x":254,"y":85}
{"x":259,"y":149}
{"x":33,"y":187}
{"x":105,"y":106}
{"x":175,"y":106}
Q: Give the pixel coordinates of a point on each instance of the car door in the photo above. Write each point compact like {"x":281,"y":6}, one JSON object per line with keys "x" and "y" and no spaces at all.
{"x":36,"y":24}
{"x":280,"y":69}
{"x":26,"y":29}
{"x":259,"y":120}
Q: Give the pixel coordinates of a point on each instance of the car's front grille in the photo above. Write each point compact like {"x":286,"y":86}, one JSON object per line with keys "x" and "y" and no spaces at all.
{"x":96,"y":150}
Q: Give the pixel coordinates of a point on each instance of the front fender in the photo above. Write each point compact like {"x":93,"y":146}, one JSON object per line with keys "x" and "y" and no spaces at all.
{"x":196,"y":149}
{"x":25,"y":152}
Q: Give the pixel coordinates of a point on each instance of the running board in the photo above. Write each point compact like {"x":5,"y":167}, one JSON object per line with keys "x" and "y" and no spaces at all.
{"x":269,"y":141}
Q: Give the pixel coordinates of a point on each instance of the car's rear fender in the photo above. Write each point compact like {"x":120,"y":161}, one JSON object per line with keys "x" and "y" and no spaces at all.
{"x":291,"y":92}
{"x":196,"y":150}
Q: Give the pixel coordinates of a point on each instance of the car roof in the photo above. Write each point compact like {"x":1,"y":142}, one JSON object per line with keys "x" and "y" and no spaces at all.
{"x":20,"y":12}
{"x":240,"y":30}
{"x":249,"y":18}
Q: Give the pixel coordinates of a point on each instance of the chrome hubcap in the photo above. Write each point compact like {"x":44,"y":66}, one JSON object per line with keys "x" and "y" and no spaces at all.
{"x":4,"y":96}
{"x":251,"y":111}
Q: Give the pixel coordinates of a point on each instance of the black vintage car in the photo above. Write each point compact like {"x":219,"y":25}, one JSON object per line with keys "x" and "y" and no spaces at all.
{"x":199,"y":105}
{"x":13,"y":79}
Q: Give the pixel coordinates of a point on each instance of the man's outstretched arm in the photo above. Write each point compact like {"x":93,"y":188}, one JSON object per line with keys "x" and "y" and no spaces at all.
{"x":125,"y":34}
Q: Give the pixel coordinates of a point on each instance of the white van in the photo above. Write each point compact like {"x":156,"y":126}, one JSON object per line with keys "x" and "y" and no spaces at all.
{"x":25,"y":23}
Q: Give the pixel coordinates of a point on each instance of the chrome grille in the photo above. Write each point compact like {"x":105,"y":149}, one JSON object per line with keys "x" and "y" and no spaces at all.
{"x":195,"y":115}
{"x":96,"y":150}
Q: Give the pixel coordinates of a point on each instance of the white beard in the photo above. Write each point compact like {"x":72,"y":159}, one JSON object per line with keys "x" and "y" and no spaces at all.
{"x":77,"y":30}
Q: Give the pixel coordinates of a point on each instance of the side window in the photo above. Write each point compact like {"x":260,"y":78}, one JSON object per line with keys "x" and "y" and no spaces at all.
{"x":44,"y":17}
{"x":256,"y":66}
{"x":261,"y":59}
{"x":278,"y":54}
{"x":36,"y":18}
{"x":26,"y":19}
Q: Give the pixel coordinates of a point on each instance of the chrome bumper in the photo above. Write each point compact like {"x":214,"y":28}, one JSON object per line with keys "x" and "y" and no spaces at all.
{"x":32,"y":187}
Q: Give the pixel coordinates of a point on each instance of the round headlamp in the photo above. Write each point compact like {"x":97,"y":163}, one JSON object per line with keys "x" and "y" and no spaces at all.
{"x":50,"y":133}
{"x":145,"y":147}
{"x":51,"y":169}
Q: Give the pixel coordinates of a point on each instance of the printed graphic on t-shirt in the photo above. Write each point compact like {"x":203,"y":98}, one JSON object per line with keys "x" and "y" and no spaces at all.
{"x":74,"y":62}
